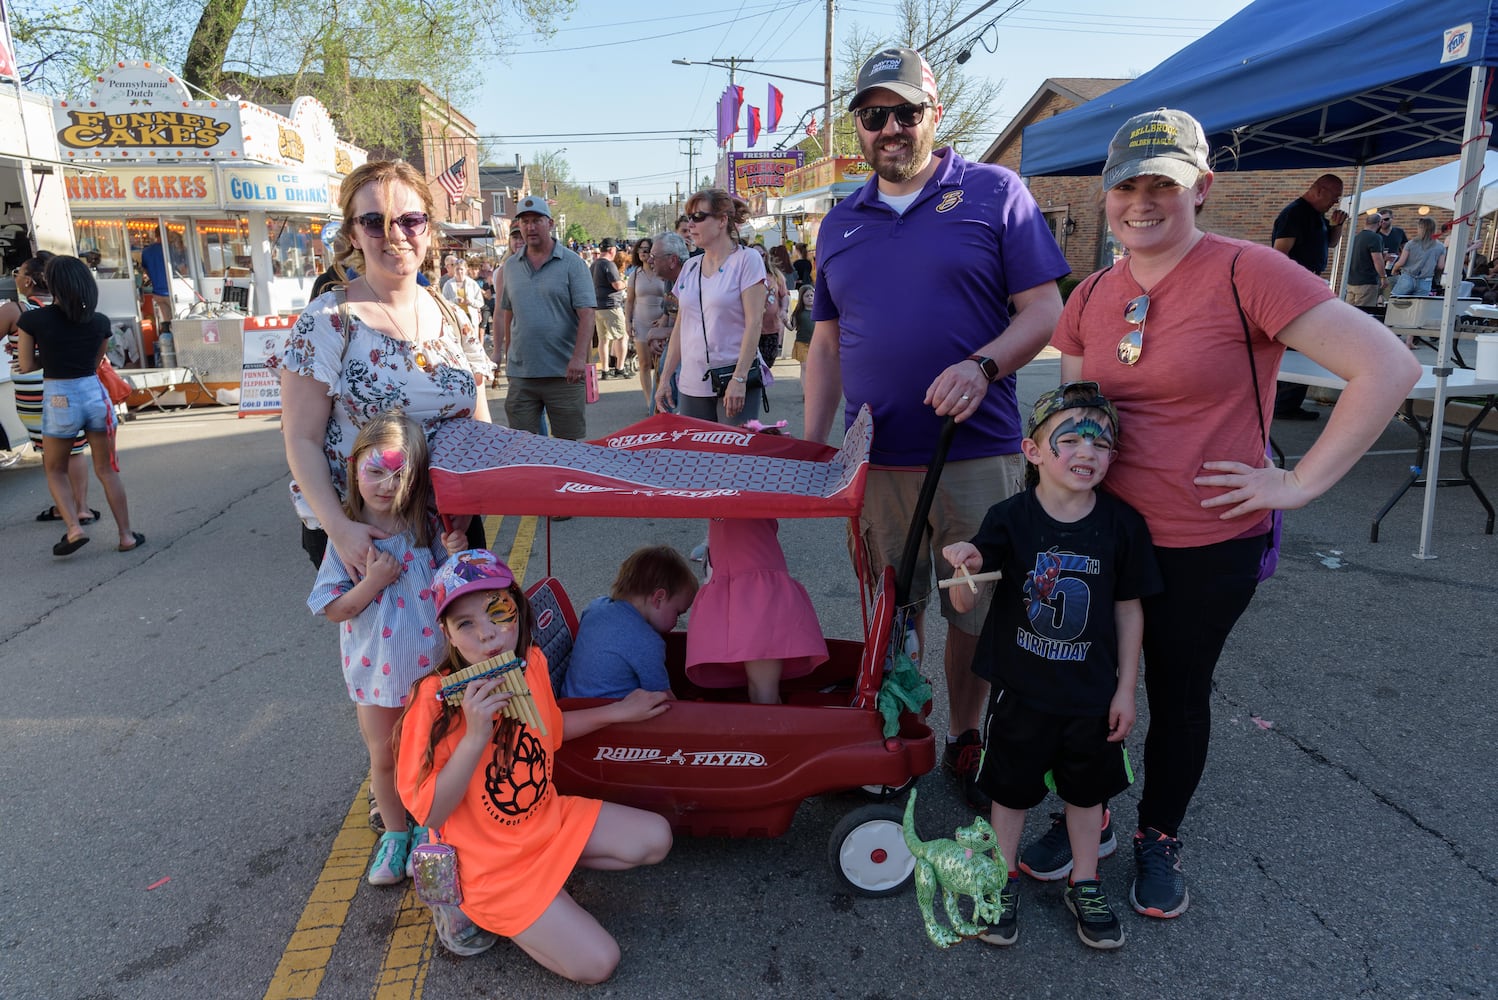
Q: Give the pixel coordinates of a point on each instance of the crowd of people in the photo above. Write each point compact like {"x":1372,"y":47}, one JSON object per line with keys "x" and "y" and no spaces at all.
{"x":1139,"y":484}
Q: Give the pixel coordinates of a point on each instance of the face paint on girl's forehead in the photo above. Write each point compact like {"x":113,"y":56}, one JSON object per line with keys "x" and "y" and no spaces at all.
{"x":389,"y":460}
{"x":501,"y":609}
{"x":1085,"y":428}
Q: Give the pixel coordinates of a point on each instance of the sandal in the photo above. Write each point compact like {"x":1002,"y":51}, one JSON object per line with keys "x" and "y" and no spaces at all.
{"x":137,"y":541}
{"x":376,"y":821}
{"x":50,"y":514}
{"x":93,"y":516}
{"x":67,"y":548}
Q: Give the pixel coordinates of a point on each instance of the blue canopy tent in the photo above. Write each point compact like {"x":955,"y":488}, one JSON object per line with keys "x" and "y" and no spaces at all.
{"x":1334,"y":84}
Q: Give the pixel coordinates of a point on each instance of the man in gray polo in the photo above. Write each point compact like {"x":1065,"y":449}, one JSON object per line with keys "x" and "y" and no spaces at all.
{"x":545,"y":328}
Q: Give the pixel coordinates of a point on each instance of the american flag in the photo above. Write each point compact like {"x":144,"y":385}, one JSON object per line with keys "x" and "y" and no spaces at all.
{"x":454,"y":181}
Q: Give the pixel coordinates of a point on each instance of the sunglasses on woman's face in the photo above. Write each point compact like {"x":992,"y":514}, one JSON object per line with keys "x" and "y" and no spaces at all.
{"x":1132,"y":345}
{"x":700,"y":216}
{"x":412,"y":223}
{"x":906,"y":116}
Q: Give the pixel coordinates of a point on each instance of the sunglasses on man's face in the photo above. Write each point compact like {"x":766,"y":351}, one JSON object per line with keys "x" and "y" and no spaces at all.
{"x":906,"y":116}
{"x":412,"y":223}
{"x":700,"y":216}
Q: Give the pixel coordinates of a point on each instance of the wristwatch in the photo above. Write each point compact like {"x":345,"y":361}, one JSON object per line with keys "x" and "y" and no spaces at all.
{"x":989,"y":366}
{"x":742,"y":381}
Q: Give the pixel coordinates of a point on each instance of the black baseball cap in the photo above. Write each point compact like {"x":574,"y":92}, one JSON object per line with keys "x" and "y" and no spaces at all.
{"x":902,"y":71}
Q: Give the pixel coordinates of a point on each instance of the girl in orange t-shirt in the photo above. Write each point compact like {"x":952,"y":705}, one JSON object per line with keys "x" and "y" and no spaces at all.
{"x":486,"y":781}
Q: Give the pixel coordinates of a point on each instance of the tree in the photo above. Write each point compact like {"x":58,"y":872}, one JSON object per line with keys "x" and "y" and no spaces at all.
{"x":356,"y":56}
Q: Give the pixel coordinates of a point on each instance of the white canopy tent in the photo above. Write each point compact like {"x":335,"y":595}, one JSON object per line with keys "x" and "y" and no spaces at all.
{"x":1435,"y":187}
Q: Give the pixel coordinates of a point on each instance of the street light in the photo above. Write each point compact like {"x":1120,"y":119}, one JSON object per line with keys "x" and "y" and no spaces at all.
{"x":736,"y":65}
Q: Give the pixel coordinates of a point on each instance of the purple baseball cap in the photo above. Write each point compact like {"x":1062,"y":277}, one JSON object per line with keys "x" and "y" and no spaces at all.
{"x":466,"y":572}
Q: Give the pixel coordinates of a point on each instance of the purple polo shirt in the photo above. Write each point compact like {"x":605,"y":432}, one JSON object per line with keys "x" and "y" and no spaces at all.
{"x":915,"y":293}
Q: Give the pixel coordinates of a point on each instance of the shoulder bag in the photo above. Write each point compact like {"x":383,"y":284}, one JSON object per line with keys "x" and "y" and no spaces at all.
{"x":721,"y":376}
{"x":119,"y":390}
{"x":1270,"y":560}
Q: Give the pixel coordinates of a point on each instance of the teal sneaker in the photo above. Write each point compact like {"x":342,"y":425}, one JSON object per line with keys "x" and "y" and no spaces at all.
{"x":391,"y":855}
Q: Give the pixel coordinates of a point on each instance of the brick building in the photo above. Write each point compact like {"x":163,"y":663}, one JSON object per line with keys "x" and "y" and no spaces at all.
{"x":500,"y":188}
{"x":1242,"y":204}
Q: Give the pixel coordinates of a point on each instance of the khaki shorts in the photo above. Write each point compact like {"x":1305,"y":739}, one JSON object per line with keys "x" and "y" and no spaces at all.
{"x":962,"y":500}
{"x":1362,"y":295}
{"x":609,"y":324}
{"x":799,"y":351}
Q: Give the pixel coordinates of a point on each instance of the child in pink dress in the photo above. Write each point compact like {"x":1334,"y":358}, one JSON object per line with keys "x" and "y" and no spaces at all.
{"x":752,"y":623}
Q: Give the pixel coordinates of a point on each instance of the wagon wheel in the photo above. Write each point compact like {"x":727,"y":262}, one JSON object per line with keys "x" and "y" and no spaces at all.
{"x":867,"y":851}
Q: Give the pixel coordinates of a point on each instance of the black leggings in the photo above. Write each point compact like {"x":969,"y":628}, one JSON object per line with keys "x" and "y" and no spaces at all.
{"x":1206,"y":590}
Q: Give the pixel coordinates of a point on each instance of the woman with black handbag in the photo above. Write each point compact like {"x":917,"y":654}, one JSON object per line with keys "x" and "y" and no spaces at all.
{"x":722,"y":300}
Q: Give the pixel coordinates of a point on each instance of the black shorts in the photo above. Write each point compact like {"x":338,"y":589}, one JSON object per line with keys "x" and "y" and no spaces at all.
{"x":1028,"y":751}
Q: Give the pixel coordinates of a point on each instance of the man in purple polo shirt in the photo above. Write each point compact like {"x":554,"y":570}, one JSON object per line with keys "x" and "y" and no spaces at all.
{"x":935,"y":283}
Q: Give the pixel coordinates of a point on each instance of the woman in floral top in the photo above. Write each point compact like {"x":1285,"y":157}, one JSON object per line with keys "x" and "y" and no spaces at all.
{"x":402,"y":348}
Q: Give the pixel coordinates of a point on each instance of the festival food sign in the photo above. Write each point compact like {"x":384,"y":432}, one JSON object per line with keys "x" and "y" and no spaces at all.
{"x":762,"y":171}
{"x":140,"y":112}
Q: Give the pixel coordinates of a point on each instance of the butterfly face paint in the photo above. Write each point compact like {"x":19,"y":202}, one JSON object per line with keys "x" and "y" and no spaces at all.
{"x":381,"y":469}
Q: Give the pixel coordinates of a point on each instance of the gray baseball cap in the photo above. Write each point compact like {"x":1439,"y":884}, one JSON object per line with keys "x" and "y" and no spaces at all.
{"x":900,"y":70}
{"x":532,"y":203}
{"x":1165,"y":142}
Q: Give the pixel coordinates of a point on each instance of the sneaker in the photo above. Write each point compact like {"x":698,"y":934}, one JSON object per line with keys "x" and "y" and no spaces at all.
{"x":1159,"y":888}
{"x":962,"y":759}
{"x":1096,"y":924}
{"x":458,"y":934}
{"x":418,"y":836}
{"x":389,"y":866}
{"x":1049,"y":858}
{"x":1006,"y":931}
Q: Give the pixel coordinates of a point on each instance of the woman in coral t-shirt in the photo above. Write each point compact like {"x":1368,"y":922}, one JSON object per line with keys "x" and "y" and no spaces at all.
{"x":486,"y":782}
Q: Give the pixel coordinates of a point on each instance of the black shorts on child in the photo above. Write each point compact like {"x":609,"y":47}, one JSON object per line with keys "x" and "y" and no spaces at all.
{"x":1024,"y":742}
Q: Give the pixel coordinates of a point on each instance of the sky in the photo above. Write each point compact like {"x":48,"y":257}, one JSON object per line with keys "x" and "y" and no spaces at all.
{"x":608,"y":69}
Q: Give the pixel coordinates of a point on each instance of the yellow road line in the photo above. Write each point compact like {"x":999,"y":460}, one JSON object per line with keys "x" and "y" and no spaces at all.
{"x":403,"y":970}
{"x":306,"y":957}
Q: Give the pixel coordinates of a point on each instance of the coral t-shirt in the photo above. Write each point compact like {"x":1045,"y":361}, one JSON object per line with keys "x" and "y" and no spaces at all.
{"x":1190,"y":398}
{"x":517,"y":839}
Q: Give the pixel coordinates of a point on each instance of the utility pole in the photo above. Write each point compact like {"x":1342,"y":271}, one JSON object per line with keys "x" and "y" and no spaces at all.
{"x":691,"y":163}
{"x":827,"y":93}
{"x":733,"y":64}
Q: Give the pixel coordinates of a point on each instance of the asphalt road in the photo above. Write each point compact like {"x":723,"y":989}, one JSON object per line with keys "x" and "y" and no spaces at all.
{"x":178,"y":757}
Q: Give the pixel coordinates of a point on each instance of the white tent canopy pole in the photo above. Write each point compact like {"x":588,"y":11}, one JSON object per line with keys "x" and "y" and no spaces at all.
{"x":1474,"y":143}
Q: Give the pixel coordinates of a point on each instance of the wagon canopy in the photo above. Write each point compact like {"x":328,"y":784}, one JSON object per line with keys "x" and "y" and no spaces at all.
{"x":666,"y":466}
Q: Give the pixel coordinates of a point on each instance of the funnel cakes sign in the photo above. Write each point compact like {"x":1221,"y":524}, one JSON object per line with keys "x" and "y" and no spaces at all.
{"x":139,"y":111}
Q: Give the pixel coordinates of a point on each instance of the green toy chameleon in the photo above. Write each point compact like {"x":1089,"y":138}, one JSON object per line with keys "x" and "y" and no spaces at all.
{"x":961,"y":868}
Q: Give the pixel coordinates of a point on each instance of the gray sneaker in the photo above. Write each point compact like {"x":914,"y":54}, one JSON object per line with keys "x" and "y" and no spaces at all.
{"x":458,"y":934}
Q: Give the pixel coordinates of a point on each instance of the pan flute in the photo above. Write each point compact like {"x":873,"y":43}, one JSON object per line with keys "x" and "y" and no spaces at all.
{"x":511,"y":673}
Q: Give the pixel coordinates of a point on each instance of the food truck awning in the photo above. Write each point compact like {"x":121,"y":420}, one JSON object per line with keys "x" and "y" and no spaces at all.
{"x":457,"y":231}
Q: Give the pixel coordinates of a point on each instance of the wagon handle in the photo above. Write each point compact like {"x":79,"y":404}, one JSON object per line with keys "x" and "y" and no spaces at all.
{"x":905,"y":573}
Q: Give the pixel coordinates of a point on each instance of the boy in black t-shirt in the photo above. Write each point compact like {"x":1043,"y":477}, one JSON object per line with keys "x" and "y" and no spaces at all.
{"x":1061,"y":644}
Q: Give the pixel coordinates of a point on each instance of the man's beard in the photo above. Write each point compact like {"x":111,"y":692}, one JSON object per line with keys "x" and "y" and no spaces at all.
{"x":900,"y":167}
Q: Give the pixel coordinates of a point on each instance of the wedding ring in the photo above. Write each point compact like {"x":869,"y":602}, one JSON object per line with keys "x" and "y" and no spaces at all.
{"x":964,"y":397}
